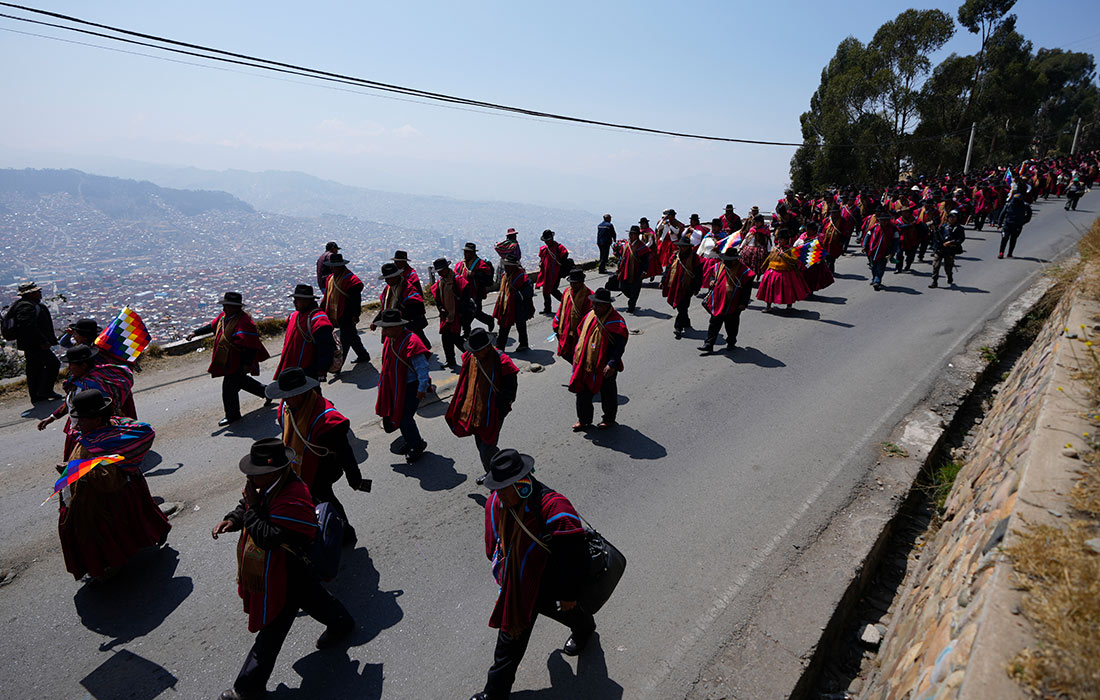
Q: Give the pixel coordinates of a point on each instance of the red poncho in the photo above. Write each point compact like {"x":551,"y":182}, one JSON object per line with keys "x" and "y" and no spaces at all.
{"x":448,"y":294}
{"x":313,"y":419}
{"x":507,"y":308}
{"x":476,"y":407}
{"x":879,"y":242}
{"x":298,"y":345}
{"x":683,"y":278}
{"x":551,"y":257}
{"x":567,"y":322}
{"x":593,"y":350}
{"x":730,"y":289}
{"x":397,"y":372}
{"x":231,"y":335}
{"x":337,"y":292}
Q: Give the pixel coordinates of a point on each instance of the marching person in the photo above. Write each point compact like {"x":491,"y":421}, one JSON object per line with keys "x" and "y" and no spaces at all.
{"x":454,"y":298}
{"x":633,"y":266}
{"x":401,"y":259}
{"x":576,"y":302}
{"x":597,"y":361}
{"x":318,"y":434}
{"x":401,"y":294}
{"x":308,"y":342}
{"x":682,"y":280}
{"x":34,"y":338}
{"x":484,"y":396}
{"x":342,"y":301}
{"x":84,"y":332}
{"x":668,"y":232}
{"x":782,"y":281}
{"x":116,"y":382}
{"x":605,"y":237}
{"x":946,"y":244}
{"x":731,"y":288}
{"x":277,"y":520}
{"x":653,"y":242}
{"x":236,"y":355}
{"x":552,"y":262}
{"x":1015,"y":214}
{"x":510,"y":245}
{"x":109,"y":514}
{"x":879,"y":244}
{"x":514,"y":303}
{"x":535,"y":540}
{"x":478,"y":274}
{"x":403,"y":382}
{"x":323,"y":270}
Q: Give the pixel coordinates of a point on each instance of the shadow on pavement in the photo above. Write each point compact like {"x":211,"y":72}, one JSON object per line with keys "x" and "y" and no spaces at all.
{"x":542,"y":357}
{"x":39,"y":410}
{"x":623,"y":438}
{"x":358,"y":447}
{"x":898,"y":288}
{"x":651,"y":313}
{"x":332,"y":674}
{"x":849,"y":276}
{"x":1031,"y":259}
{"x":827,"y":300}
{"x":363,"y":375}
{"x":136,"y":601}
{"x":748,"y":355}
{"x":811,"y":315}
{"x":357,"y":587}
{"x":435,"y":472}
{"x":256,"y":424}
{"x":969,"y":290}
{"x":127,"y":675}
{"x":589,"y":682}
{"x":153,"y":459}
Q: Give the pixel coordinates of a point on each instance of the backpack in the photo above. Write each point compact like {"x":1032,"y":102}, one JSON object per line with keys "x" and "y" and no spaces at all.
{"x":10,"y":324}
{"x":322,"y":555}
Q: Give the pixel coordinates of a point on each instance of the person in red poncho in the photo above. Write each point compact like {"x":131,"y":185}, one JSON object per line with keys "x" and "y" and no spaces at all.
{"x":318,"y":434}
{"x":879,"y":244}
{"x":236,"y":355}
{"x":540,"y":576}
{"x":454,"y":297}
{"x":682,"y":280}
{"x":514,"y":305}
{"x":87,"y":370}
{"x":486,"y":390}
{"x":653,"y":242}
{"x":478,"y":274}
{"x":597,"y":361}
{"x":553,"y":261}
{"x":730,"y":291}
{"x":308,"y":343}
{"x":403,"y":382}
{"x":633,"y":265}
{"x":342,"y":300}
{"x":401,"y":294}
{"x":576,"y":302}
{"x":275,"y":515}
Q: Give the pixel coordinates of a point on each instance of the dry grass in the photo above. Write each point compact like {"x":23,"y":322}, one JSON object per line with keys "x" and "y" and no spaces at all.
{"x":1062,"y":579}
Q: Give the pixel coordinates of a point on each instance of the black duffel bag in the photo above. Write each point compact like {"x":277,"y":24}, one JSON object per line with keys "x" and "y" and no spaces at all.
{"x":605,"y":568}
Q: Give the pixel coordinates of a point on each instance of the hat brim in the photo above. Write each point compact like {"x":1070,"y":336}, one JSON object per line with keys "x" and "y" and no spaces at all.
{"x":25,"y":292}
{"x":95,"y":351}
{"x":386,"y":277}
{"x":272,"y":390}
{"x":528,"y":464}
{"x":225,"y":302}
{"x":304,"y":296}
{"x":685,"y":242}
{"x":248,"y":468}
{"x":390,"y":324}
{"x":470,"y":348}
{"x":342,"y":263}
{"x":103,"y":409}
{"x":732,"y":255}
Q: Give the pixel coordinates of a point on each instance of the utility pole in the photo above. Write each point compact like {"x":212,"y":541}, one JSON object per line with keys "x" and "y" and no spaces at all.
{"x":970,"y":147}
{"x":1076,"y":133}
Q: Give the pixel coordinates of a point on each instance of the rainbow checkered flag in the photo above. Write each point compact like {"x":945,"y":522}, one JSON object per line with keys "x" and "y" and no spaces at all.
{"x":810,"y":253}
{"x":125,"y":336}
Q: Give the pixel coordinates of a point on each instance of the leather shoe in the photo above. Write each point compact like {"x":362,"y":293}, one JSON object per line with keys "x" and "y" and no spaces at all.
{"x":331,"y":636}
{"x":576,"y":644}
{"x":579,"y":426}
{"x":234,"y":694}
{"x":226,"y":421}
{"x":479,"y":696}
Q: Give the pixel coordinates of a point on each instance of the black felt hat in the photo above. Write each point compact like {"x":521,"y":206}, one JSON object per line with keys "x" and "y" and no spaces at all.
{"x":635,"y":229}
{"x":479,"y":340}
{"x":331,"y":245}
{"x":470,"y":246}
{"x":232,"y":299}
{"x":90,"y":403}
{"x":291,"y":382}
{"x":441,"y":264}
{"x":390,"y":318}
{"x":80,"y":353}
{"x":303,"y":291}
{"x":336,"y":260}
{"x":507,"y":467}
{"x":576,"y":275}
{"x":602,"y":296}
{"x":400,"y":256}
{"x":87,"y":327}
{"x":266,"y":456}
{"x":389,"y":270}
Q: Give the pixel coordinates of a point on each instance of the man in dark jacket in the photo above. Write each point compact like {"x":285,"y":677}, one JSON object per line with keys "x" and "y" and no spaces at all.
{"x":605,"y":236}
{"x":947,"y":242}
{"x":34,"y":337}
{"x":323,"y":270}
{"x":276,"y":513}
{"x":1015,"y":214}
{"x":525,"y":516}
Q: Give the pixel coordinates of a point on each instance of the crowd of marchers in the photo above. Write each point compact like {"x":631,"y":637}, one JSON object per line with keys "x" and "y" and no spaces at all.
{"x":539,"y":547}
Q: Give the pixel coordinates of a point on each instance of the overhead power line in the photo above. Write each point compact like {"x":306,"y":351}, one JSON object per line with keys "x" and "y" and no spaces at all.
{"x":234,"y":58}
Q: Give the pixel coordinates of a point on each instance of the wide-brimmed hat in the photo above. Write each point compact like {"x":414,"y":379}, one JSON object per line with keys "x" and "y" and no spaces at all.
{"x":547,"y":235}
{"x":511,"y":232}
{"x":730,"y":207}
{"x":400,"y":256}
{"x":512,"y":260}
{"x":232,"y":299}
{"x":292,"y":381}
{"x":303,"y":291}
{"x":80,"y":353}
{"x":470,"y":246}
{"x":479,"y":340}
{"x":89,"y":403}
{"x":441,"y":264}
{"x":635,"y":229}
{"x":731,"y":254}
{"x":266,"y":456}
{"x":576,"y":275}
{"x":507,"y":467}
{"x":86,"y":327}
{"x":390,"y":318}
{"x":643,"y":220}
{"x":336,"y":260}
{"x":684,"y":240}
{"x":602,"y":295}
{"x":389,"y":270}
{"x":28,"y":288}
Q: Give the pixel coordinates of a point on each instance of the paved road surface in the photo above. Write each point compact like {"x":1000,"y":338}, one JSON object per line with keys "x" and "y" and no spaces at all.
{"x":722,"y":468}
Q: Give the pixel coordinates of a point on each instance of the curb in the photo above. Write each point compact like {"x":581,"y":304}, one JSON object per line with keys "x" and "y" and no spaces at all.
{"x":779,"y":650}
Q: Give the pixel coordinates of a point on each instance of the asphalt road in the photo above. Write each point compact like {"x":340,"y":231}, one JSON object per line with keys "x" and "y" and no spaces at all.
{"x":722,"y":467}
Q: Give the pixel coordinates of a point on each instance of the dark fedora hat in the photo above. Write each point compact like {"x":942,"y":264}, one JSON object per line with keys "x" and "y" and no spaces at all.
{"x":479,"y":340}
{"x":291,"y":382}
{"x":576,"y":275}
{"x":390,"y":318}
{"x":86,"y":327}
{"x":730,"y":255}
{"x":511,"y":232}
{"x":303,"y":291}
{"x":510,"y":260}
{"x":643,"y":220}
{"x":547,"y":235}
{"x":602,"y":295}
{"x":507,"y":467}
{"x":635,"y":229}
{"x":400,"y":256}
{"x":336,"y":260}
{"x":441,"y":264}
{"x":389,"y":270}
{"x":470,"y":246}
{"x":232,"y":299}
{"x":80,"y":353}
{"x":684,"y":240}
{"x":331,"y":245}
{"x":266,"y":456}
{"x":90,"y":403}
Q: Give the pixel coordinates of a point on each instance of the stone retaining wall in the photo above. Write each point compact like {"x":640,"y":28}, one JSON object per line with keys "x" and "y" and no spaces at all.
{"x":955,"y":623}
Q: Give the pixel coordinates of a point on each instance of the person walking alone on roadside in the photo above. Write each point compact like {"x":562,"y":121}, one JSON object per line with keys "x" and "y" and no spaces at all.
{"x":605,"y":237}
{"x":535,"y":541}
{"x":236,"y":355}
{"x":1015,"y":214}
{"x":277,"y":521}
{"x":947,"y":242}
{"x":34,"y":336}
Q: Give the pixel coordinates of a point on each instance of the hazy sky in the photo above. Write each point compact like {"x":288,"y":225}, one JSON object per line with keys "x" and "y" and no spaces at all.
{"x":739,"y":69}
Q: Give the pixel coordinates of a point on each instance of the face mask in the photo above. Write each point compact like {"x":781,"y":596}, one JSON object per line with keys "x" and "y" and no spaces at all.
{"x":524,"y":487}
